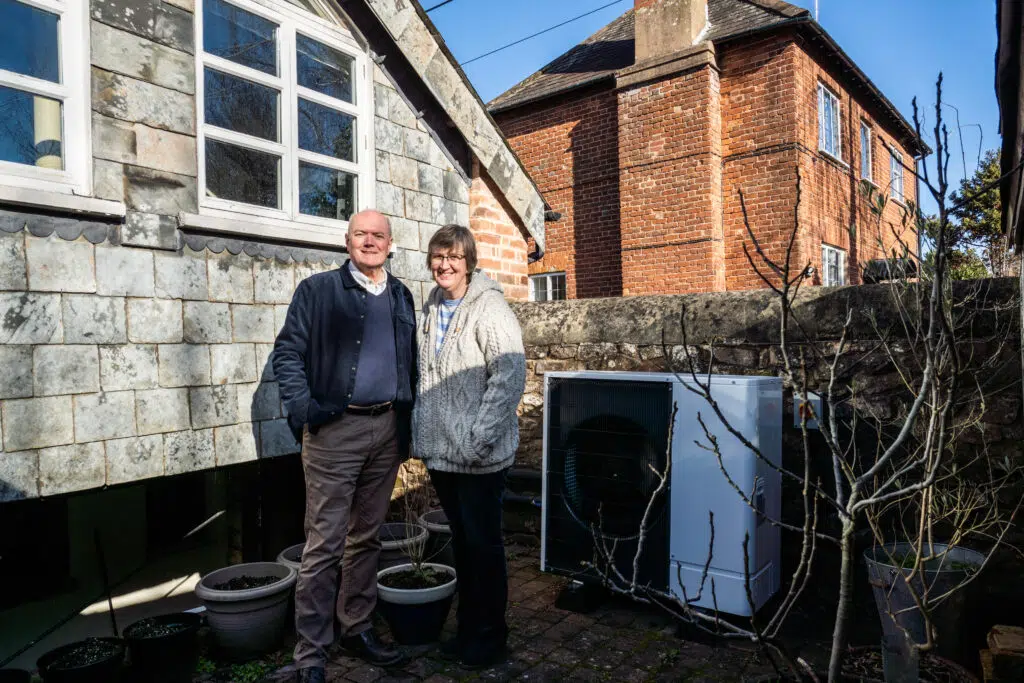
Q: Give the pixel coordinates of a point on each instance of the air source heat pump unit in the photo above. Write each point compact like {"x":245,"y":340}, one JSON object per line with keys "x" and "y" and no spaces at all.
{"x":604,"y":431}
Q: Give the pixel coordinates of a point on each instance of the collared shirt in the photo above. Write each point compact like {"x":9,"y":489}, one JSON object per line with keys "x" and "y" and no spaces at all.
{"x":375,"y":288}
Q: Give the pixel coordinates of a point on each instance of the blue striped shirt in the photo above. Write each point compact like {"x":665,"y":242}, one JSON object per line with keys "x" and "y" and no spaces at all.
{"x":445,"y":313}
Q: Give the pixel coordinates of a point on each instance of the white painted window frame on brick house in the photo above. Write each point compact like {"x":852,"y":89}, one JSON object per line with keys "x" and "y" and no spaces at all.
{"x":26,"y":184}
{"x":286,"y":222}
{"x":896,"y":175}
{"x":866,"y":156}
{"x":828,"y":279}
{"x":548,"y":280}
{"x":829,"y":132}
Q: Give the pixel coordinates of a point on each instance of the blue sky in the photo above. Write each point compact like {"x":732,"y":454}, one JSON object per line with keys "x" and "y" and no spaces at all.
{"x":900,"y":44}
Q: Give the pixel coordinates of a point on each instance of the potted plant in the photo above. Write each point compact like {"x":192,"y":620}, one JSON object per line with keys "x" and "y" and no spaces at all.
{"x":415,"y":596}
{"x":247,"y":606}
{"x":398,"y":540}
{"x":93,"y":660}
{"x":164,"y":648}
{"x":439,"y":546}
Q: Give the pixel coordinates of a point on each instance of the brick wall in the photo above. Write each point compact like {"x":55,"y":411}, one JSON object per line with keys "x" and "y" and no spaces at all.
{"x":570,"y":147}
{"x":500,"y":237}
{"x":670,"y":184}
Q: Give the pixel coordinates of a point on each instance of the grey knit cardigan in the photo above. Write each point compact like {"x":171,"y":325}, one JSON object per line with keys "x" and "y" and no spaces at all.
{"x":464,"y":419}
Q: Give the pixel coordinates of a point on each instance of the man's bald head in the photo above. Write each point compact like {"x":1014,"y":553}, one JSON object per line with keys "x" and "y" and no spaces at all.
{"x":369,"y":220}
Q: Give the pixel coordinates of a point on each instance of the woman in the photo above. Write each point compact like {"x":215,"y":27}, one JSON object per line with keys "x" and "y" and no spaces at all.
{"x":465,"y":429}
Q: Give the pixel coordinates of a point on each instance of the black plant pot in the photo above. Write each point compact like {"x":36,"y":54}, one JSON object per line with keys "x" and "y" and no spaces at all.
{"x":415,"y":616}
{"x":106,"y":670}
{"x":14,"y":676}
{"x":168,"y":658}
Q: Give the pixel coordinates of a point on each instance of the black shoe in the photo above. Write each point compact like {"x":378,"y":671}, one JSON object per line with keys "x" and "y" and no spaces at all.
{"x":368,"y":648}
{"x":313,"y":674}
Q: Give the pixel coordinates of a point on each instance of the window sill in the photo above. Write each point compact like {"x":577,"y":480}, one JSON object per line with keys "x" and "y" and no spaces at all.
{"x":834,"y":159}
{"x":264,"y":227}
{"x":62,"y":202}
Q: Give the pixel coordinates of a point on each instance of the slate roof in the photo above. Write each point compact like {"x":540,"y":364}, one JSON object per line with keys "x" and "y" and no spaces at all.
{"x":612,"y":48}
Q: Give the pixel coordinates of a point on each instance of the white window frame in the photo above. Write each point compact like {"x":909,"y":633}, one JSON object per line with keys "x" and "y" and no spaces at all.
{"x":73,"y":92}
{"x":548,"y":279}
{"x":896,"y":175}
{"x":866,"y":155}
{"x":288,"y":220}
{"x":831,"y":146}
{"x":826,"y":250}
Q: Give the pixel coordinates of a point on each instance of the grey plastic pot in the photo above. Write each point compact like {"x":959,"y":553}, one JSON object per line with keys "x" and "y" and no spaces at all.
{"x":893,"y":595}
{"x":251,"y":622}
{"x":416,"y":616}
{"x":439,"y":547}
{"x":396,"y":539}
{"x":291,"y":556}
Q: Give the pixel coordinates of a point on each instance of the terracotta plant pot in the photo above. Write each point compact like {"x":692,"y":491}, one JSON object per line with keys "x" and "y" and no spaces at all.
{"x":250,"y":622}
{"x":415,"y":616}
{"x":55,"y":667}
{"x":164,"y":657}
{"x":396,"y":538}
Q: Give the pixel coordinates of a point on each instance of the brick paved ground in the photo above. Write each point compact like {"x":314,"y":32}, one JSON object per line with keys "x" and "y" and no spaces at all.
{"x":617,"y":642}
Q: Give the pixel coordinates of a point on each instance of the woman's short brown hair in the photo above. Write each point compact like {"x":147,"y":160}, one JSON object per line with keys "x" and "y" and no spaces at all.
{"x":450,"y":236}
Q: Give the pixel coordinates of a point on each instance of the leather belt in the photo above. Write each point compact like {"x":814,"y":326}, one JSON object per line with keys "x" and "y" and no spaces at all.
{"x":374,"y":410}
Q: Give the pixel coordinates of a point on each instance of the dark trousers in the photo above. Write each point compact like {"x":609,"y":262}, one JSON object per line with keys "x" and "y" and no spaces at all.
{"x":350,"y":468}
{"x":472,"y":503}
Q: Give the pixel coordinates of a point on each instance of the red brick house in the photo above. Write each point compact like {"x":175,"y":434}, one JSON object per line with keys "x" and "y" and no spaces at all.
{"x":643,"y":136}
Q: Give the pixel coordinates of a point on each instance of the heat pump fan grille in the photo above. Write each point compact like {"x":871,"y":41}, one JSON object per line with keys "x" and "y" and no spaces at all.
{"x":607,"y":442}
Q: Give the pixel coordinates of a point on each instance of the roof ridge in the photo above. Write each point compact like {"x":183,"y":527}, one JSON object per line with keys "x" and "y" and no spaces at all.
{"x":782,"y":7}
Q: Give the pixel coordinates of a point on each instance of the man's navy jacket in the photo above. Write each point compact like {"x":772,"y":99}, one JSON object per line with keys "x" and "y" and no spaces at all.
{"x":317,"y":351}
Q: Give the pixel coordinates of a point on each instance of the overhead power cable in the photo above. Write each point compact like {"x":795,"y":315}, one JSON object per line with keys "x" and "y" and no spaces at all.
{"x":440,"y":4}
{"x":540,"y":33}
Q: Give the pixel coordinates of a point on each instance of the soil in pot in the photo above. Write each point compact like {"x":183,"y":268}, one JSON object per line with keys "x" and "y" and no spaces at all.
{"x":94,"y":660}
{"x":165,"y":648}
{"x":864,"y":664}
{"x":411,"y":579}
{"x":241,"y":583}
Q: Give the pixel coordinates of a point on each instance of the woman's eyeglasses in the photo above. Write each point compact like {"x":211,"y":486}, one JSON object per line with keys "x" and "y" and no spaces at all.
{"x":438,"y":259}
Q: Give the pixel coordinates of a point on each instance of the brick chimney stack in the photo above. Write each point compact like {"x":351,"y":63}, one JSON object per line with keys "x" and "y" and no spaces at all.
{"x":664,"y":27}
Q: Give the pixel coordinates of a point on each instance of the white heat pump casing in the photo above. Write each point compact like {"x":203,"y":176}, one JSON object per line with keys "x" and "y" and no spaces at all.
{"x":753,"y":407}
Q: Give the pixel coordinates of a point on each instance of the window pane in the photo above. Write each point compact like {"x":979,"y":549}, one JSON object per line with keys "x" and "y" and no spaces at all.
{"x":240,"y":36}
{"x":558,"y":287}
{"x":326,"y":192}
{"x":326,"y":131}
{"x":324,"y":69}
{"x":540,"y":288}
{"x":28,"y":41}
{"x":240,"y":105}
{"x":30,"y":131}
{"x":242,"y":175}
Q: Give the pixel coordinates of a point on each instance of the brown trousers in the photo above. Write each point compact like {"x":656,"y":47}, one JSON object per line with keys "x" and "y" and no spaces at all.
{"x":350,"y":468}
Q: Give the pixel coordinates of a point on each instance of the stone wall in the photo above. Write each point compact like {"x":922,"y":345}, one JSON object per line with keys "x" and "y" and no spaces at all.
{"x":740,"y":331}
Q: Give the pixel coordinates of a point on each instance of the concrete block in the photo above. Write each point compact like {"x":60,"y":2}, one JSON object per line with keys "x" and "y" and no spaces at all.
{"x":263,"y":364}
{"x":405,"y":232}
{"x":188,"y":451}
{"x":388,"y":136}
{"x":390,"y":199}
{"x":165,"y":151}
{"x":65,"y":370}
{"x":427,"y":231}
{"x":403,"y":173}
{"x":107,"y":179}
{"x":150,"y":230}
{"x":233,"y":363}
{"x":252,"y":323}
{"x":213,"y":406}
{"x":161,"y":410}
{"x":19,"y":476}
{"x":184,"y":365}
{"x":56,"y":265}
{"x":206,"y":322}
{"x":12,"y":261}
{"x":181,"y":276}
{"x":136,"y":101}
{"x":276,"y":439}
{"x":113,"y":140}
{"x":383,"y":166}
{"x":443,"y":210}
{"x":462,"y":214}
{"x":259,"y":401}
{"x":90,"y":319}
{"x":417,"y":145}
{"x":66,"y":469}
{"x":131,"y":366}
{"x":400,"y":112}
{"x":135,"y":459}
{"x":419,"y":207}
{"x":154,"y":321}
{"x":381,"y":100}
{"x":37,"y":423}
{"x":236,"y":444}
{"x":132,"y":55}
{"x":455,"y":188}
{"x":418,"y":45}
{"x":15,"y":371}
{"x":274,"y":282}
{"x":230,"y":278}
{"x":280,"y":316}
{"x":106,"y":415}
{"x":151,"y":191}
{"x":430,"y":179}
{"x":30,"y":318}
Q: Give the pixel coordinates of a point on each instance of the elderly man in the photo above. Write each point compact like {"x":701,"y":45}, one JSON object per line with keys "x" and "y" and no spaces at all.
{"x":345,"y":362}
